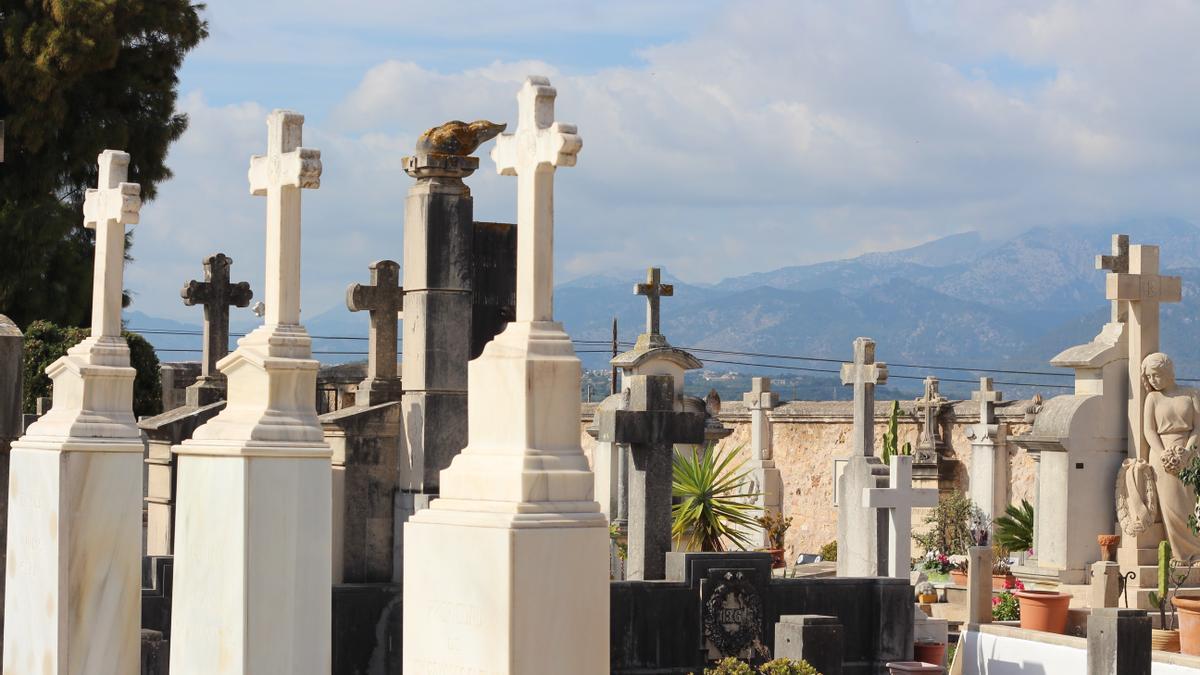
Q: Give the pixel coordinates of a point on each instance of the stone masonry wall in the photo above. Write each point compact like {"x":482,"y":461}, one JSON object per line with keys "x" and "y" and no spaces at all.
{"x":809,"y":435}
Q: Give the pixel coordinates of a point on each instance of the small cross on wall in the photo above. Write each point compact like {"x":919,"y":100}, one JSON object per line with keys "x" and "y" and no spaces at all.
{"x":654,"y":290}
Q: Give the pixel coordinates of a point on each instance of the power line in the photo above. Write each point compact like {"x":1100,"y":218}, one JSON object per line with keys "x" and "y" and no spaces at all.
{"x":901,"y":377}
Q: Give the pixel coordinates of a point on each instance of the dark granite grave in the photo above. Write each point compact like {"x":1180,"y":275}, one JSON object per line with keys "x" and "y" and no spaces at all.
{"x":669,"y":626}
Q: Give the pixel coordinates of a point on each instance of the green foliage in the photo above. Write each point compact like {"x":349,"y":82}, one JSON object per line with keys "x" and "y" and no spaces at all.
{"x":45,"y":342}
{"x":891,"y":437}
{"x":1014,"y":530}
{"x":614,"y":535}
{"x":829,"y":551}
{"x":1006,"y":607}
{"x":776,"y":526}
{"x":1164,"y":567}
{"x":712,"y":507}
{"x":781,"y":666}
{"x":950,"y":522}
{"x":1190,"y":476}
{"x":75,"y":78}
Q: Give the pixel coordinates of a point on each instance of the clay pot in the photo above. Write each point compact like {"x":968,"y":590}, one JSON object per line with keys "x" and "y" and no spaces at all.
{"x":1002,"y":581}
{"x":1108,"y":546}
{"x":1044,"y":610}
{"x":1189,"y":624}
{"x":777,"y":559}
{"x":930,"y":652}
{"x":928,"y":598}
{"x":959,"y":577}
{"x":1164,"y":640}
{"x":908,"y":667}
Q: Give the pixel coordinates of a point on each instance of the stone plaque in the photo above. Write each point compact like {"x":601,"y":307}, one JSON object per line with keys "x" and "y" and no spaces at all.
{"x":732,"y":614}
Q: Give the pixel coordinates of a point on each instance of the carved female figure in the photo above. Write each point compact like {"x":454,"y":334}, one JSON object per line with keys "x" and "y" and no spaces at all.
{"x":1171,"y":417}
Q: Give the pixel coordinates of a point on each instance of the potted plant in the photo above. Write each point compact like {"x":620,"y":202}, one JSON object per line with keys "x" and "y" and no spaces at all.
{"x":1108,"y":546}
{"x":1001,"y":568}
{"x":712,"y":511}
{"x":1006,"y":607}
{"x":1167,"y":636}
{"x":926,"y":593}
{"x":959,"y":564}
{"x":951,"y":529}
{"x":1043,"y":610}
{"x":930,"y":652}
{"x":775,"y":526}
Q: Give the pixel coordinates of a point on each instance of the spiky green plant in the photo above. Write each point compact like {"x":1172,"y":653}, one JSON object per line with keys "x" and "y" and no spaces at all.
{"x":891,"y":437}
{"x":715,"y":505}
{"x":1159,"y":597}
{"x":1014,"y":530}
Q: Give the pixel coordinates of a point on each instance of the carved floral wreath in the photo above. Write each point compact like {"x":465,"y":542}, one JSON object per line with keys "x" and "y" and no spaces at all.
{"x":733,"y":642}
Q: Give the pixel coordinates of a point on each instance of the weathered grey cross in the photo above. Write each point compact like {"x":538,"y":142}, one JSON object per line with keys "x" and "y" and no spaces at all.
{"x":1143,"y":289}
{"x":650,"y":424}
{"x":107,"y":209}
{"x":758,"y":401}
{"x":653,"y":289}
{"x":1117,"y":263}
{"x":930,"y":405}
{"x":864,"y":374}
{"x":532,"y":153}
{"x":217,"y":295}
{"x":383,"y":298}
{"x":899,"y":499}
{"x":988,"y":398}
{"x":279,"y":175}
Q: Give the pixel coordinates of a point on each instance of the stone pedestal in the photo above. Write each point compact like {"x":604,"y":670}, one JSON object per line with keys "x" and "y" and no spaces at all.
{"x":1106,"y":584}
{"x":1118,"y":642}
{"x":507,"y":572}
{"x":989,"y":472}
{"x":73,"y":603}
{"x":813,"y":638}
{"x":862,"y":530}
{"x":979,"y":584}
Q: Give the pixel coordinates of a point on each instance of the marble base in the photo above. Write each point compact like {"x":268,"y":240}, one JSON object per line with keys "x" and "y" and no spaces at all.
{"x":73,"y":602}
{"x":252,"y":566}
{"x":525,"y":601}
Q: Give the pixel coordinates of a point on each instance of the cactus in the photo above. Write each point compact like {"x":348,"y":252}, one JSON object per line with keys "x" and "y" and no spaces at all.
{"x":1164,"y":568}
{"x":892,"y":436}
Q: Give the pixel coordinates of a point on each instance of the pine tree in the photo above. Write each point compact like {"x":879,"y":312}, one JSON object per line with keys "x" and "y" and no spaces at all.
{"x":76,"y":77}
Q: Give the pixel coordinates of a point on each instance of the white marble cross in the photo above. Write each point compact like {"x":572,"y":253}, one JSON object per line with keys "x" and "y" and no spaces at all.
{"x":279,"y":175}
{"x":864,"y":374}
{"x":654,"y":290}
{"x":1143,"y":289}
{"x":988,"y":398}
{"x":1118,"y":263}
{"x":532,"y":153}
{"x":107,"y":209}
{"x":899,"y":498}
{"x":758,"y":401}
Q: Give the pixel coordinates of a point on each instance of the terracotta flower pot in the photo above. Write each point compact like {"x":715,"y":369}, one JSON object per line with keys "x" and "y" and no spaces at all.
{"x":1044,"y":610}
{"x":930,"y":652}
{"x":1108,"y":546}
{"x":959,"y":577}
{"x":777,"y":559}
{"x":908,"y":667}
{"x":928,"y":598}
{"x":1002,"y":581}
{"x":1189,"y":624}
{"x":1164,"y":640}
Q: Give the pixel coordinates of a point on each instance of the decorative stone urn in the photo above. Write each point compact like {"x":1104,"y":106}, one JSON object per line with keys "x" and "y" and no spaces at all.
{"x":1108,"y":546}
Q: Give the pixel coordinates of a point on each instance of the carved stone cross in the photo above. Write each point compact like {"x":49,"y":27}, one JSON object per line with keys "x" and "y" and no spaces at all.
{"x":1117,"y":263}
{"x":988,"y":398}
{"x":652,"y":427}
{"x":899,"y":499}
{"x":383,"y":298}
{"x":758,"y":401}
{"x":653,"y":289}
{"x":864,"y":374}
{"x":107,"y":209}
{"x":279,"y":175}
{"x":930,"y":406}
{"x":532,"y":153}
{"x":217,"y":295}
{"x":1144,"y":289}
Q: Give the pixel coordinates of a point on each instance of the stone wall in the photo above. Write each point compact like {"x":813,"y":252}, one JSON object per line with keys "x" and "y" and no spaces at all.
{"x":809,"y":435}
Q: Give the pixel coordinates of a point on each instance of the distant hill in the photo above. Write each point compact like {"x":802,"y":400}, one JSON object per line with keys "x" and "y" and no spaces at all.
{"x":962,"y":301}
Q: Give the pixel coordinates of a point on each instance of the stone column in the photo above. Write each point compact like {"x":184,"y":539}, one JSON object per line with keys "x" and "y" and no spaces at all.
{"x":252,"y":543}
{"x":1106,"y":584}
{"x":765,"y":478}
{"x":862,"y":530}
{"x":438,"y":232}
{"x":1118,"y":642}
{"x":979,"y":584}
{"x":73,"y":602}
{"x":507,"y":571}
{"x":989,"y":454}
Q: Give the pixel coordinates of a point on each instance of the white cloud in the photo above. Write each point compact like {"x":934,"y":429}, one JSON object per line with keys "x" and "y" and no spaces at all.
{"x":776,"y":133}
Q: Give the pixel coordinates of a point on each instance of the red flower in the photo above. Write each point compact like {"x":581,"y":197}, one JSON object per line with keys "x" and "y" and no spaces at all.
{"x":995,"y":601}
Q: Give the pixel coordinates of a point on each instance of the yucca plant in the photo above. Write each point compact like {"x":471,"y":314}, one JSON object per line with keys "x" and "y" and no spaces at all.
{"x":1014,"y":530}
{"x":715,"y":506}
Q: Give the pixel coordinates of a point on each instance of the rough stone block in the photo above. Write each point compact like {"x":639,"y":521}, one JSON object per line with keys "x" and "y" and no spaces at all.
{"x":437,"y":340}
{"x":1118,"y":642}
{"x":438,"y":237}
{"x":813,"y":638}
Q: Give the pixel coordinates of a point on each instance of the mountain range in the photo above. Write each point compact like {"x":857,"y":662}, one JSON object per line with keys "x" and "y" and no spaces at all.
{"x":963,"y":301}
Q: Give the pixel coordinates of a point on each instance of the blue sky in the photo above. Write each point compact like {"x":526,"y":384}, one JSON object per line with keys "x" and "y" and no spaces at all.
{"x":720,"y":138}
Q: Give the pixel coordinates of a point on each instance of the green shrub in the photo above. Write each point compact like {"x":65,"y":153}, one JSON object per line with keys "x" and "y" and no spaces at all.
{"x":1014,"y":530}
{"x":712,"y":507}
{"x":732,"y":666}
{"x":829,"y":551}
{"x":950,"y":522}
{"x":46,"y":342}
{"x":729,"y":666}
